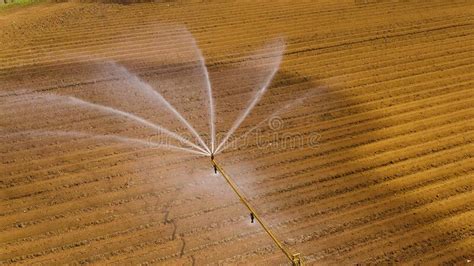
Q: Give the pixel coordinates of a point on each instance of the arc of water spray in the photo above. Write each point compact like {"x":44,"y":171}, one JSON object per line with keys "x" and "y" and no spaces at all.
{"x":168,"y":105}
{"x":275,"y":113}
{"x":138,"y":119}
{"x":130,"y":116}
{"x":112,"y":137}
{"x":202,"y":64}
{"x":252,"y":104}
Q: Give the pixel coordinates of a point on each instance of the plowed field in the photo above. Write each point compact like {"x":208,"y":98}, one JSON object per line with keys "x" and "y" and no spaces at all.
{"x":373,"y":165}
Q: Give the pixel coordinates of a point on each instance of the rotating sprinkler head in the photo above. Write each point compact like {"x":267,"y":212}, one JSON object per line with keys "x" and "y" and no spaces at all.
{"x":213,"y":163}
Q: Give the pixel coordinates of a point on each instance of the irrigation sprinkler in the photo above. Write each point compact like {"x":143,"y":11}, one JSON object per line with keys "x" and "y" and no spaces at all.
{"x":294,"y":258}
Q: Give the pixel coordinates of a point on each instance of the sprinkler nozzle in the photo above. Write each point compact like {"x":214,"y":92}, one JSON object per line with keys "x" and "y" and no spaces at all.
{"x":213,"y":163}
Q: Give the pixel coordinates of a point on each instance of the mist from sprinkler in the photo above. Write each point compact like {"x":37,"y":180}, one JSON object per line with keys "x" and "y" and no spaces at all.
{"x":273,"y":51}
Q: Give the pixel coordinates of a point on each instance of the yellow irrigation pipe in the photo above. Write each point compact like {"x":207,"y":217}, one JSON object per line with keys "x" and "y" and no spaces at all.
{"x":294,"y":258}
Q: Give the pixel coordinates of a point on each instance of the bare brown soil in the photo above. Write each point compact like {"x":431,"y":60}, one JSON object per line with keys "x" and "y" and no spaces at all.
{"x":390,"y":99}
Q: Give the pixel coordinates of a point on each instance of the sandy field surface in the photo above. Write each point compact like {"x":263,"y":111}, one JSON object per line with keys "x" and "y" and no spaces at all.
{"x":366,"y":155}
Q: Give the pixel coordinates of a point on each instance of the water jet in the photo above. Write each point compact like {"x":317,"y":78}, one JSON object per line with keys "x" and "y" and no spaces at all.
{"x":268,"y":62}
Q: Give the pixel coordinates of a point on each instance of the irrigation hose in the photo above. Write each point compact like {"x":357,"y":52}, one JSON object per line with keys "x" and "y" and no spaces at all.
{"x":295,"y":257}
